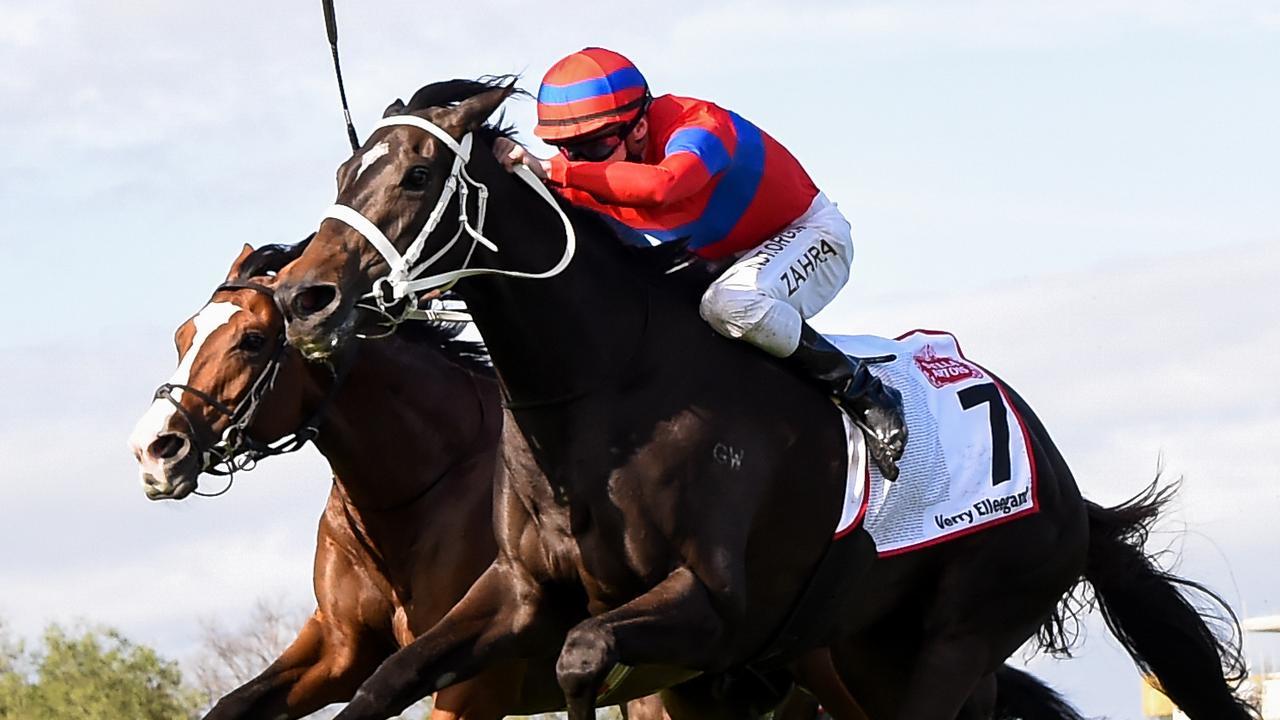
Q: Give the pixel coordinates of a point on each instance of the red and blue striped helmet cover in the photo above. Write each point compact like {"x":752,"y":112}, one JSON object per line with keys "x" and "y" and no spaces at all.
{"x":586,"y":92}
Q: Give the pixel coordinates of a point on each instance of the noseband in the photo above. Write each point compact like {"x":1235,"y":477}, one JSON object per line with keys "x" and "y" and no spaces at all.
{"x":237,"y":450}
{"x":404,"y":280}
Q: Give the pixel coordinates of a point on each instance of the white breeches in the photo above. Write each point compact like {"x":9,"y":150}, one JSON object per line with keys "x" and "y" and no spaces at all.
{"x":765,"y":296}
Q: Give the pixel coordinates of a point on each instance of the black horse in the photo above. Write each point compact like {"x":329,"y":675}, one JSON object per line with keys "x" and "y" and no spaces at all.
{"x":665,"y":494}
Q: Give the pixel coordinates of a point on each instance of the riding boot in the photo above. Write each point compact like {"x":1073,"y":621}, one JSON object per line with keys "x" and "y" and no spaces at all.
{"x":873,"y":406}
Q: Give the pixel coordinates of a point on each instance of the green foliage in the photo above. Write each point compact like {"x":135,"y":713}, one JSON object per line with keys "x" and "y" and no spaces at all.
{"x":89,"y":674}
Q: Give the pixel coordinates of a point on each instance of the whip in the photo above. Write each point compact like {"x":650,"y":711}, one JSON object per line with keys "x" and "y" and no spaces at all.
{"x":331,"y":27}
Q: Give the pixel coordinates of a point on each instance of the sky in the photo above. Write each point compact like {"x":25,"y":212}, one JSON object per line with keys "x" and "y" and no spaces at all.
{"x":1087,"y":193}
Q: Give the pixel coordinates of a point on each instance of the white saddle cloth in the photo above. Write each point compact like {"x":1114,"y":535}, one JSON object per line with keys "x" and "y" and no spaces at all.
{"x":967,"y":464}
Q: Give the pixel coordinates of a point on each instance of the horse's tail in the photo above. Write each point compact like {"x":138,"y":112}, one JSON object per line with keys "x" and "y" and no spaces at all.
{"x":1194,"y":654}
{"x":1022,"y":696}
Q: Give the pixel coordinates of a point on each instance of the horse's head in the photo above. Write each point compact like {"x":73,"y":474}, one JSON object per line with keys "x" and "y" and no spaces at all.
{"x":398,"y":204}
{"x":230,"y":354}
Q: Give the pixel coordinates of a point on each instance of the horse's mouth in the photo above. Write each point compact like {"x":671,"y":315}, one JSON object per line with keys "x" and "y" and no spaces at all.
{"x":167,"y":490}
{"x":321,"y":347}
{"x":318,"y":350}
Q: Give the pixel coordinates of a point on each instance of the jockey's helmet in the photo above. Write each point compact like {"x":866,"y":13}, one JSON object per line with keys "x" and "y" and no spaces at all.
{"x":587,"y":92}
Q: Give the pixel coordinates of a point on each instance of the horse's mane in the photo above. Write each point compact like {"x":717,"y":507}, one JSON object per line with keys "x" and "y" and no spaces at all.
{"x":440,"y":335}
{"x":268,"y":260}
{"x":443,"y":336}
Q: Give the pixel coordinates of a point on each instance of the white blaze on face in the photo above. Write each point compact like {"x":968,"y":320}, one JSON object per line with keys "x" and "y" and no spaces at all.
{"x":156,"y":420}
{"x":371,"y":157}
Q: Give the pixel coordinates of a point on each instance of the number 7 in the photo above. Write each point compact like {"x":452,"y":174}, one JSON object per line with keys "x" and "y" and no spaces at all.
{"x":976,"y":395}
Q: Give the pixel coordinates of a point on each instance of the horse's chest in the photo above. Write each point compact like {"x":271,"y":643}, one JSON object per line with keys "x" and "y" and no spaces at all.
{"x":609,"y":566}
{"x":619,"y":544}
{"x":618,"y":490}
{"x":596,"y":542}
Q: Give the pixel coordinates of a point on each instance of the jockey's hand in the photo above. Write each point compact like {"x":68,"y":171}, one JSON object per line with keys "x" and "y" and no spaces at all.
{"x":512,"y":154}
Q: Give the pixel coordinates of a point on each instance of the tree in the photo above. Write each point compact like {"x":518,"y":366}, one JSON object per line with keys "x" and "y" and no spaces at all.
{"x":89,"y":674}
{"x":12,"y":683}
{"x":232,"y":656}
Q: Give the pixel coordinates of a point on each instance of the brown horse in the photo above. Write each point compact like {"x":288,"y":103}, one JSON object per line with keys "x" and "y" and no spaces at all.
{"x":628,"y":533}
{"x":410,"y":431}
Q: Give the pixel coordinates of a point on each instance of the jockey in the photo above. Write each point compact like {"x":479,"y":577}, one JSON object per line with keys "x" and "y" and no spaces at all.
{"x":680,"y":169}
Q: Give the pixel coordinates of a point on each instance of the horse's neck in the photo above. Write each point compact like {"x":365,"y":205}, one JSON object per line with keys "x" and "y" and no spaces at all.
{"x":553,"y":337}
{"x":402,"y":419}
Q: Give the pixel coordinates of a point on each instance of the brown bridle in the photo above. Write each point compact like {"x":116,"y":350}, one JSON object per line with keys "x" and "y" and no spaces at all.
{"x":237,"y":450}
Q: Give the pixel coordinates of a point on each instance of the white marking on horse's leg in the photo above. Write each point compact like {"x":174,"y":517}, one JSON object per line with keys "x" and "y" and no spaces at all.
{"x":156,"y":419}
{"x":371,"y":157}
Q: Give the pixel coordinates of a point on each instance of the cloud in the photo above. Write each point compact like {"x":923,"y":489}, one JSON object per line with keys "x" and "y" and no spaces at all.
{"x":130,"y":76}
{"x":152,"y":136}
{"x":932,"y":27}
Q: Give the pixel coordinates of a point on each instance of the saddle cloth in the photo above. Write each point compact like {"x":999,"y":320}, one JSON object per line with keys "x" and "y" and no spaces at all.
{"x":967,"y":464}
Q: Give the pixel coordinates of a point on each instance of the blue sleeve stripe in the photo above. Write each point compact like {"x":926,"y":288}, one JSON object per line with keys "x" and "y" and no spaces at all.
{"x":703,"y":143}
{"x":624,"y":79}
{"x":736,"y":191}
{"x":733,"y":194}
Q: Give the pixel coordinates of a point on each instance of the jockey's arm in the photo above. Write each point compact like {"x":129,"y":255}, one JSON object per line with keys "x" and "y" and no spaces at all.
{"x":630,"y":184}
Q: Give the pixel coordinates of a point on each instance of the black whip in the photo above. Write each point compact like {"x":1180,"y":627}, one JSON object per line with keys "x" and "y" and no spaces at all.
{"x":331,"y":26}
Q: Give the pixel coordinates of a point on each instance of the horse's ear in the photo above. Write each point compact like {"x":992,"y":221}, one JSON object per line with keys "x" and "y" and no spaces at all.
{"x":395,"y":108}
{"x":472,"y":112}
{"x":245,"y":253}
{"x":267,"y":260}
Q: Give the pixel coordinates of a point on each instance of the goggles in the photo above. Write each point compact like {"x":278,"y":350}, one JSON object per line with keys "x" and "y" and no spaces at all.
{"x":596,"y":149}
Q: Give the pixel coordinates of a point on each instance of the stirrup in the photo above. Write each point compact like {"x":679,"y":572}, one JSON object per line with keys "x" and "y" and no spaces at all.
{"x":884,"y":456}
{"x":887,"y":446}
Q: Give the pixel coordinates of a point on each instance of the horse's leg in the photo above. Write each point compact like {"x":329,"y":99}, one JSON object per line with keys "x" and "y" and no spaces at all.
{"x":500,"y":616}
{"x":950,"y":675}
{"x":798,"y":705}
{"x":694,"y":701}
{"x":674,"y":623}
{"x":816,"y":671}
{"x":490,"y":695}
{"x":322,"y":665}
{"x":945,"y":674}
{"x":733,"y":695}
{"x":645,"y":708}
{"x":974,"y":625}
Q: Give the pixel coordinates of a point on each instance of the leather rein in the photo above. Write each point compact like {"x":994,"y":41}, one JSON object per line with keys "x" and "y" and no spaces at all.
{"x":237,"y":450}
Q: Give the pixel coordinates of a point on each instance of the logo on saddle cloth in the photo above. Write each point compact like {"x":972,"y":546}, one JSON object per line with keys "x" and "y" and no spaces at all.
{"x":942,"y":370}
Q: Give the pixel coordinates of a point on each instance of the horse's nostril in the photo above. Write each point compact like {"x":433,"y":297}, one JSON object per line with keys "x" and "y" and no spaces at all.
{"x":167,"y":446}
{"x":311,"y":300}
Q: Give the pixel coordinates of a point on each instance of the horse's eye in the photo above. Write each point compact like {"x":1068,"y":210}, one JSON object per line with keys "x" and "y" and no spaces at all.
{"x":252,"y":342}
{"x":416,"y":177}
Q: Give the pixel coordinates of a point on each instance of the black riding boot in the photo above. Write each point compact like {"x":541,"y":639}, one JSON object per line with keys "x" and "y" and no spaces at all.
{"x":873,"y":406}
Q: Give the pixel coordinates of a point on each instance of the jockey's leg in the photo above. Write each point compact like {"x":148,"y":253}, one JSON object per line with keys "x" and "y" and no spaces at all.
{"x":874,"y":406}
{"x":765,"y":297}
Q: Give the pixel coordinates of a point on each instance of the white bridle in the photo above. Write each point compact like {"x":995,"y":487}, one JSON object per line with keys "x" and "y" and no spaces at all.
{"x":404,"y":280}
